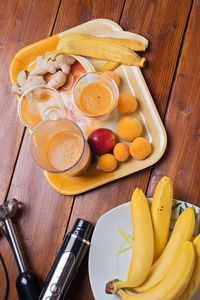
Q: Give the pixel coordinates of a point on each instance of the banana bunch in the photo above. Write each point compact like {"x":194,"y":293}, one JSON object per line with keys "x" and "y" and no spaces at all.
{"x":160,"y":268}
{"x":114,"y":50}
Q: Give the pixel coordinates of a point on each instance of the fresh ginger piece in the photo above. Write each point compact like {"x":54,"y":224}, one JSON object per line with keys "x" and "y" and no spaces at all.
{"x":140,"y":148}
{"x":114,"y":76}
{"x":127,"y":104}
{"x":50,"y":64}
{"x":57,"y":80}
{"x":107,"y":162}
{"x":25,"y":81}
{"x":121,"y":152}
{"x":129,"y":128}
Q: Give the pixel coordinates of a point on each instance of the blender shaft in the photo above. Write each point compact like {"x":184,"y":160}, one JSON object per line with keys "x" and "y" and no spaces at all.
{"x":15,"y":245}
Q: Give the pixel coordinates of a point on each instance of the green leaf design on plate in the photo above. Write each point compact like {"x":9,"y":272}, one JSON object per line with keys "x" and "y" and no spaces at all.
{"x":181,"y":210}
{"x":175,"y":205}
{"x":128,"y":239}
{"x":123,"y":250}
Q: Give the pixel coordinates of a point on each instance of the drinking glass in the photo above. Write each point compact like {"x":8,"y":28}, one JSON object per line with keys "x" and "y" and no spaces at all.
{"x":101,"y":97}
{"x":40,"y":103}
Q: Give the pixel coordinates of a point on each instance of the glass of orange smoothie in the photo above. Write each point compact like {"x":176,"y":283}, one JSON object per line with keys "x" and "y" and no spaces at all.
{"x":95,"y":95}
{"x":59,"y":146}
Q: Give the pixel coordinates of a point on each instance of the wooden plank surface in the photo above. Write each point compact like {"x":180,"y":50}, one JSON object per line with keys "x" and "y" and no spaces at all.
{"x":181,"y":161}
{"x":21,"y":24}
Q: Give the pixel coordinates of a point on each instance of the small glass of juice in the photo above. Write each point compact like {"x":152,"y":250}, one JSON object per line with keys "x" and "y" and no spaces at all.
{"x":38,"y":104}
{"x":59,"y":146}
{"x":95,"y":95}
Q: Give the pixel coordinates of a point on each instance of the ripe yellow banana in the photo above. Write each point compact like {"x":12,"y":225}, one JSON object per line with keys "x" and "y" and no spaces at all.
{"x":109,"y":66}
{"x":182,"y":232}
{"x":194,"y":283}
{"x":142,"y":255}
{"x":132,"y":44}
{"x":100,"y":49}
{"x":171,"y":286}
{"x":161,"y":213}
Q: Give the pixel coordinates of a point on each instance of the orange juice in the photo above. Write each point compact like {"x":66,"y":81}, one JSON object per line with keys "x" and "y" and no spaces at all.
{"x":39,"y":103}
{"x":59,"y":146}
{"x":95,"y":99}
{"x":64,"y":150}
{"x":95,"y":95}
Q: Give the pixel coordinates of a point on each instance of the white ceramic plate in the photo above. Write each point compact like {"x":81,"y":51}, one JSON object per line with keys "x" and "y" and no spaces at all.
{"x":104,"y":265}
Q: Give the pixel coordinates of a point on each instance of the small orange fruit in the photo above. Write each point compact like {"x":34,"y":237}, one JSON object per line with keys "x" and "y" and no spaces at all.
{"x":140,"y":148}
{"x":107,"y":162}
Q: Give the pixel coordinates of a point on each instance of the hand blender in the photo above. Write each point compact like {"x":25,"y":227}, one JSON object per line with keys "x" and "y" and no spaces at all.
{"x":74,"y":247}
{"x":28,"y":287}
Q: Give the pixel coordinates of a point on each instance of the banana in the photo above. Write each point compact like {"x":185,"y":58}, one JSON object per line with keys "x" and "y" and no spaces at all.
{"x":182,"y":232}
{"x":195,"y":279}
{"x":161,"y":213}
{"x":97,"y":48}
{"x":171,"y":286}
{"x":129,"y":43}
{"x":109,"y":66}
{"x":142,"y":254}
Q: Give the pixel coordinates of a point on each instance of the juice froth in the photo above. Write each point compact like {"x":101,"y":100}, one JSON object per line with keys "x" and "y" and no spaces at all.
{"x":64,"y":150}
{"x":96,"y":99}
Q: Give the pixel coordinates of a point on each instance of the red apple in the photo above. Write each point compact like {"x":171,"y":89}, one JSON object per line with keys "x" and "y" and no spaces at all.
{"x":101,"y":140}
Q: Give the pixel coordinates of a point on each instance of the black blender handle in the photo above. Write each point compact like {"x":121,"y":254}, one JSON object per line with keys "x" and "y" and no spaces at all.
{"x":28,"y":287}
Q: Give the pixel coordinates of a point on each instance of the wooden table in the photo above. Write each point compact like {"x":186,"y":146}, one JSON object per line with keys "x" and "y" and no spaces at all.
{"x":173,"y":77}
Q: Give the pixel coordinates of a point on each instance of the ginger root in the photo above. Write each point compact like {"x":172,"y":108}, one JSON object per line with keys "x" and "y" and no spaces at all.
{"x":49,"y":64}
{"x":26,"y":81}
{"x":57,"y":80}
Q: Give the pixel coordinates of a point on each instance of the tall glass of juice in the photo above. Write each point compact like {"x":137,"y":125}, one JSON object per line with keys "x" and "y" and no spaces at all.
{"x":59,"y":146}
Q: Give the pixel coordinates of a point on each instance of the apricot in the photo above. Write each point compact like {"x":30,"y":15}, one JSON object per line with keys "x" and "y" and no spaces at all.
{"x":114,"y":76}
{"x":140,"y":148}
{"x":107,"y":162}
{"x":128,"y":128}
{"x":127,"y":103}
{"x":121,"y":152}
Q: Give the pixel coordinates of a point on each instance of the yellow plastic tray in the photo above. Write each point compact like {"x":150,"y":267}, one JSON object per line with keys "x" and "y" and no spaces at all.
{"x":131,"y":81}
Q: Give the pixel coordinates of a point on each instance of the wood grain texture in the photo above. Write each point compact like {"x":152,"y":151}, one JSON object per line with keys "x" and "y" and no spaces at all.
{"x":182,"y":159}
{"x":163,"y":24}
{"x":73,"y":13}
{"x":22,"y":23}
